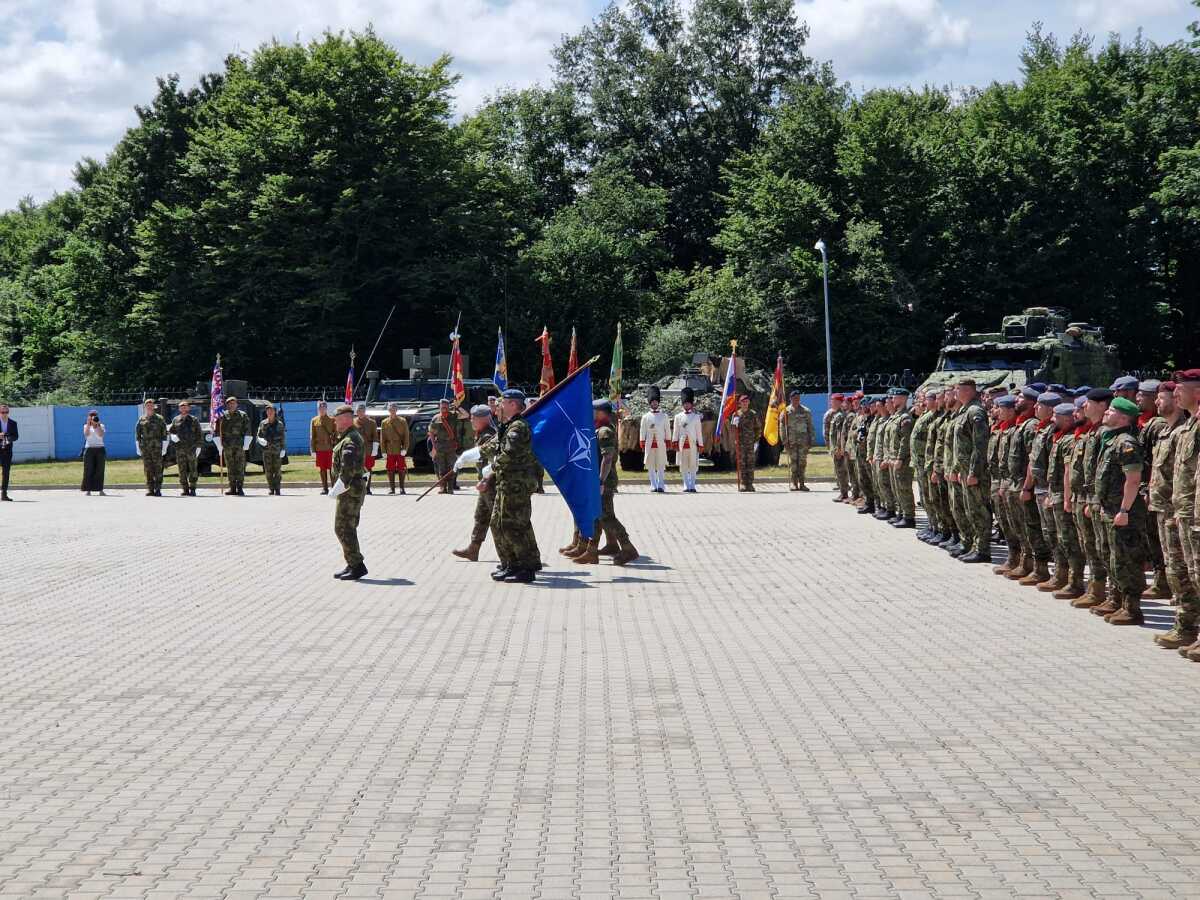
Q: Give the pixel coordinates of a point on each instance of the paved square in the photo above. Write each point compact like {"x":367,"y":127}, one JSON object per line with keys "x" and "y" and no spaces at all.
{"x":782,"y":700}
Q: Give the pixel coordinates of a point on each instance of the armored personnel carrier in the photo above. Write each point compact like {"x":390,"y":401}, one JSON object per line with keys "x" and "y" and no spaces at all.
{"x":1040,"y":344}
{"x":704,"y":376}
{"x":200,"y":401}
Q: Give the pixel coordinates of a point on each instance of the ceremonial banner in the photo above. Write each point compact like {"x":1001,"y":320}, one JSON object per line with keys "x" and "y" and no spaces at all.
{"x":500,"y":373}
{"x":564,"y":441}
{"x":216,"y":397}
{"x":350,"y":380}
{"x":573,"y":359}
{"x":615,"y":371}
{"x":546,"y":382}
{"x":775,"y":405}
{"x":456,"y":374}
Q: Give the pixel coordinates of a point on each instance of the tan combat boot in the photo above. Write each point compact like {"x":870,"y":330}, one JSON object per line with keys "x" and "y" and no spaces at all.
{"x":469,"y":553}
{"x":1021,"y":570}
{"x":1074,"y":587}
{"x":577,"y":544}
{"x":1158,"y":589}
{"x":1094,"y":595}
{"x":1130,"y":612}
{"x":611,"y":546}
{"x":1041,"y":572}
{"x":1177,"y":637}
{"x":588,"y":556}
{"x":1112,"y":602}
{"x":1056,"y":583}
{"x":627,"y":555}
{"x":1012,"y":562}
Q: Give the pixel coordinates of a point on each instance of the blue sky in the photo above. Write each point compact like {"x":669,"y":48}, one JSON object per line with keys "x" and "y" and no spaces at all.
{"x":73,"y":69}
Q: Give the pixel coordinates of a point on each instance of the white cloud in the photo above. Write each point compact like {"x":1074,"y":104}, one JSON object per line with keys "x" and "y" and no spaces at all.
{"x":73,"y":69}
{"x":1119,"y":15}
{"x":869,"y":40}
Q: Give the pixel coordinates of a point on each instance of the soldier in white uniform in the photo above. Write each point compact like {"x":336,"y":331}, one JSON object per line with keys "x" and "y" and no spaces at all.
{"x":688,"y":440}
{"x":654,"y":437}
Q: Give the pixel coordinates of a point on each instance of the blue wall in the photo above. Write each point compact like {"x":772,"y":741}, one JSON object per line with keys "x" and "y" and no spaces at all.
{"x":818,"y":403}
{"x":296,"y":416}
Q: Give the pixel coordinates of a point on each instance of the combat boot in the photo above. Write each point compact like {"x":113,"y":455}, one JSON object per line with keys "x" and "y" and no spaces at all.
{"x":589,"y":556}
{"x":1110,"y":605}
{"x":610,"y":548}
{"x":1192,"y":652}
{"x":1021,"y":571}
{"x":907,"y":523}
{"x":500,"y":572}
{"x":866,"y":509}
{"x":1040,"y":573}
{"x":1177,"y":637}
{"x":1056,"y":582}
{"x":1094,"y":596}
{"x":627,"y":555}
{"x":1014,"y":560}
{"x":1073,"y":588}
{"x":573,"y":547}
{"x":1130,"y":612}
{"x":355,"y":573}
{"x":470,"y":553}
{"x":1158,"y":589}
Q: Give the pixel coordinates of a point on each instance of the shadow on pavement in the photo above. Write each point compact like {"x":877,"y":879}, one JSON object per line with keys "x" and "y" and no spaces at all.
{"x":393,"y":582}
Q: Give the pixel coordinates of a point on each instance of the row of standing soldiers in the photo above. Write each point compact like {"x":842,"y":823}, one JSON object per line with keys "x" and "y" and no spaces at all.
{"x":1088,"y":488}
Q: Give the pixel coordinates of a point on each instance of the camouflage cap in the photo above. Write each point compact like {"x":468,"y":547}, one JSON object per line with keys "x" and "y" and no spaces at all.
{"x":344,"y":409}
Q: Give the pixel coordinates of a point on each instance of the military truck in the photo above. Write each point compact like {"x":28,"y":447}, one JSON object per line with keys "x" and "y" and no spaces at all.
{"x":1040,"y":344}
{"x":418,"y":400}
{"x":705,"y":376}
{"x":201,"y":403}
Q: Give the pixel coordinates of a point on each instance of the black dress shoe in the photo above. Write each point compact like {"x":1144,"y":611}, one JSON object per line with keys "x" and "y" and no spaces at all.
{"x":355,"y":573}
{"x":343,"y":573}
{"x":519,"y":576}
{"x":501,"y":573}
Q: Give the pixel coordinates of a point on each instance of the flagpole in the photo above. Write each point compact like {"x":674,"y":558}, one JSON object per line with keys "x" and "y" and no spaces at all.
{"x":450,"y":368}
{"x":558,"y":387}
{"x":373,"y":349}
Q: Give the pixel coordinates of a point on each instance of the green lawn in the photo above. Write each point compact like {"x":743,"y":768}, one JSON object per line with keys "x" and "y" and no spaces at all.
{"x":300,"y":469}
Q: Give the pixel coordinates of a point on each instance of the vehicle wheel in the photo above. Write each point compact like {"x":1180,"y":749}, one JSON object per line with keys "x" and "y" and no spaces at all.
{"x":722,"y":460}
{"x":633,"y":461}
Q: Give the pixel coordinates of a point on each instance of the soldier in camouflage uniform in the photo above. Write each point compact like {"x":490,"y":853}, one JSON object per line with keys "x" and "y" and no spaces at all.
{"x":273,"y":440}
{"x":1087,"y":512}
{"x":1068,"y":583}
{"x":934,"y":456}
{"x":1150,"y":428}
{"x":187,"y":436}
{"x":796,"y":430}
{"x":855,"y":416}
{"x":834,"y":426}
{"x":1039,"y":471}
{"x":939,"y":521}
{"x":485,"y":440}
{"x":1075,"y":490}
{"x":747,"y":430}
{"x":858,"y":442}
{"x":885,"y":506}
{"x":1006,"y":415}
{"x":607,"y":523}
{"x":1185,"y":484}
{"x":968,"y":474}
{"x":923,"y":408}
{"x":150,"y":435}
{"x":443,"y":445}
{"x":1160,"y":502}
{"x":349,"y":489}
{"x":897,"y":459}
{"x":233,"y":443}
{"x":954,"y":497}
{"x":1035,"y":554}
{"x":514,"y":479}
{"x":1122,"y":512}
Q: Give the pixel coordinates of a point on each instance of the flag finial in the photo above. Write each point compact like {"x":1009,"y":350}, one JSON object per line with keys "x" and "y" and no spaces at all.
{"x":352,"y":354}
{"x":733,"y":345}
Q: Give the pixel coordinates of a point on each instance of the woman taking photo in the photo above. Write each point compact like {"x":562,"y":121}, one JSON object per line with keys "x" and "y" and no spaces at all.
{"x":93,"y":454}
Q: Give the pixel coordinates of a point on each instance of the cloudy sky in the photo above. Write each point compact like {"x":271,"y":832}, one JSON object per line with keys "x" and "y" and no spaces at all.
{"x":72,"y":70}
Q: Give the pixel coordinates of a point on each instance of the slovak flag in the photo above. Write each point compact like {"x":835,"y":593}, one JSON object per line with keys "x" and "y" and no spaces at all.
{"x":729,"y":391}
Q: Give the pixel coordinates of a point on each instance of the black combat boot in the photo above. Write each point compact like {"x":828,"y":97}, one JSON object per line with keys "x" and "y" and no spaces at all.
{"x":355,"y":573}
{"x":500,"y":573}
{"x":519,"y":576}
{"x":343,"y":573}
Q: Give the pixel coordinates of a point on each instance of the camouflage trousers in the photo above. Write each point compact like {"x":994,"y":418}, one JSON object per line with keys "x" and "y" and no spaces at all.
{"x":863,"y":476}
{"x":843,"y":473}
{"x":1127,"y":551}
{"x":1189,"y":543}
{"x":345,"y":522}
{"x":1154,"y":547}
{"x":272,"y":463}
{"x":235,"y":464}
{"x":958,"y":512}
{"x":483,"y":515}
{"x":608,"y":523}
{"x":745,"y":465}
{"x":939,"y":499}
{"x":1000,"y":511}
{"x":1050,"y":533}
{"x":902,"y":490}
{"x":975,"y":515}
{"x":512,"y":530}
{"x":1178,"y":577}
{"x":1067,"y":535}
{"x":185,"y":461}
{"x":798,"y":459}
{"x":1090,"y":543}
{"x":883,"y":487}
{"x":1028,"y":525}
{"x":152,"y":467}
{"x":923,"y":494}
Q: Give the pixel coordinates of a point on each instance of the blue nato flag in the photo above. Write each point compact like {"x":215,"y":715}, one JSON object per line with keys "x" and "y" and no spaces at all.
{"x":564,"y":441}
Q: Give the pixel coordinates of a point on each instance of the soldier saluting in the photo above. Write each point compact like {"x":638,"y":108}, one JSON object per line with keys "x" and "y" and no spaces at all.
{"x":349,"y":489}
{"x":187,"y":436}
{"x":150,"y":434}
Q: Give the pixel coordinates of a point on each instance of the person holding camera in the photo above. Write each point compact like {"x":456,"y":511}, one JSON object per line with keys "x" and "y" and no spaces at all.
{"x":94,"y":454}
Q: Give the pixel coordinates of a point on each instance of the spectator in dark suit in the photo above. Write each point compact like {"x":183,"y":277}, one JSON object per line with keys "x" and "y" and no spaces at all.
{"x":8,"y":437}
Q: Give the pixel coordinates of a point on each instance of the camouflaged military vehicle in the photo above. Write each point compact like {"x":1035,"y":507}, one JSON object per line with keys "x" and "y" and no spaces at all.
{"x":200,"y":401}
{"x":705,"y":376}
{"x":1040,"y":344}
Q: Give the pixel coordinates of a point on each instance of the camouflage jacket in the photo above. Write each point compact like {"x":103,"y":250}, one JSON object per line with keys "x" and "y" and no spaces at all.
{"x":150,"y":432}
{"x":273,"y":432}
{"x":1120,"y":452}
{"x":235,"y":425}
{"x":996,"y":441}
{"x":1062,"y":445}
{"x":1020,"y":445}
{"x":443,"y":435}
{"x":749,"y":428}
{"x":827,"y":427}
{"x":1152,"y":432}
{"x":1162,"y":466}
{"x":949,"y":430}
{"x":919,"y":440}
{"x":188,"y":430}
{"x":796,"y":426}
{"x":936,"y":452}
{"x":1183,"y":474}
{"x":515,"y":465}
{"x":1039,"y":456}
{"x":348,"y":455}
{"x":862,"y":424}
{"x":971,"y":434}
{"x":874,"y":425}
{"x":1091,"y":457}
{"x":900,"y":447}
{"x":606,"y":444}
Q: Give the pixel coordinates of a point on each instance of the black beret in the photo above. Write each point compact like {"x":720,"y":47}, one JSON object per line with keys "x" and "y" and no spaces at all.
{"x":1100,"y":395}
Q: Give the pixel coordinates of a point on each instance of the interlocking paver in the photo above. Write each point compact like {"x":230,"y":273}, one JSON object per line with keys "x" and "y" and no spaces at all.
{"x":781,"y":700}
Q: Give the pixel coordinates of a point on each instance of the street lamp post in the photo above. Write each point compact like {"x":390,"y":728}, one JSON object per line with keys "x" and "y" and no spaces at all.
{"x":820,"y":245}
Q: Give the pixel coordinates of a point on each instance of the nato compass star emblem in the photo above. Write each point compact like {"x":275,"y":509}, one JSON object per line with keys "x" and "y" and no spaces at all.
{"x":579,"y":450}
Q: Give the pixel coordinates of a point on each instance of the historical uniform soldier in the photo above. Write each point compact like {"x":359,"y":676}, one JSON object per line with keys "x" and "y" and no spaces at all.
{"x":1150,"y":428}
{"x":443,"y":445}
{"x":1160,"y":502}
{"x":349,"y":489}
{"x":322,"y":435}
{"x":968,"y":472}
{"x":747,"y":427}
{"x":514,"y":479}
{"x":1185,"y":483}
{"x":150,"y":435}
{"x":393,"y":439}
{"x":273,"y":440}
{"x":370,"y":434}
{"x":796,"y":429}
{"x":654,"y":436}
{"x":485,"y":443}
{"x":607,"y":523}
{"x":233,"y":442}
{"x":688,"y":436}
{"x":1122,"y":509}
{"x":898,"y":459}
{"x":185,"y":432}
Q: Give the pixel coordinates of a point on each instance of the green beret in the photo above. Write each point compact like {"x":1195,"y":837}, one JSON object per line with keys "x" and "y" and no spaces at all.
{"x":1128,"y":407}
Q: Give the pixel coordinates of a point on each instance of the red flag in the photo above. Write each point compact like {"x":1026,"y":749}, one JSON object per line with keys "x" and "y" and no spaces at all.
{"x":547,"y":379}
{"x":350,"y":380}
{"x":456,"y":375}
{"x":573,"y":360}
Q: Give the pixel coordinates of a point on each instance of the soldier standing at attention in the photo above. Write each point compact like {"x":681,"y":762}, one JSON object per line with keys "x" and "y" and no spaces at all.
{"x":917,"y":442}
{"x":1034,"y":554}
{"x":1068,"y":584}
{"x":1150,"y":429}
{"x":796,"y":428}
{"x":899,"y":464}
{"x":485,"y":440}
{"x":1039,"y":475}
{"x":607,"y":523}
{"x":234,"y":442}
{"x":443,"y":445}
{"x":150,"y":433}
{"x":688,"y":436}
{"x":393,"y":438}
{"x":322,"y":434}
{"x":272,"y":439}
{"x":969,"y":473}
{"x":349,"y":489}
{"x":1185,"y":484}
{"x":747,"y":428}
{"x":186,"y":434}
{"x":513,"y":477}
{"x":1006,"y":414}
{"x":370,"y":434}
{"x":654,"y":437}
{"x":835,"y":420}
{"x":859,"y":427}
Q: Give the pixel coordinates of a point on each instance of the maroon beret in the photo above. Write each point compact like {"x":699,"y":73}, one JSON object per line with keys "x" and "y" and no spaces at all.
{"x":1188,"y":375}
